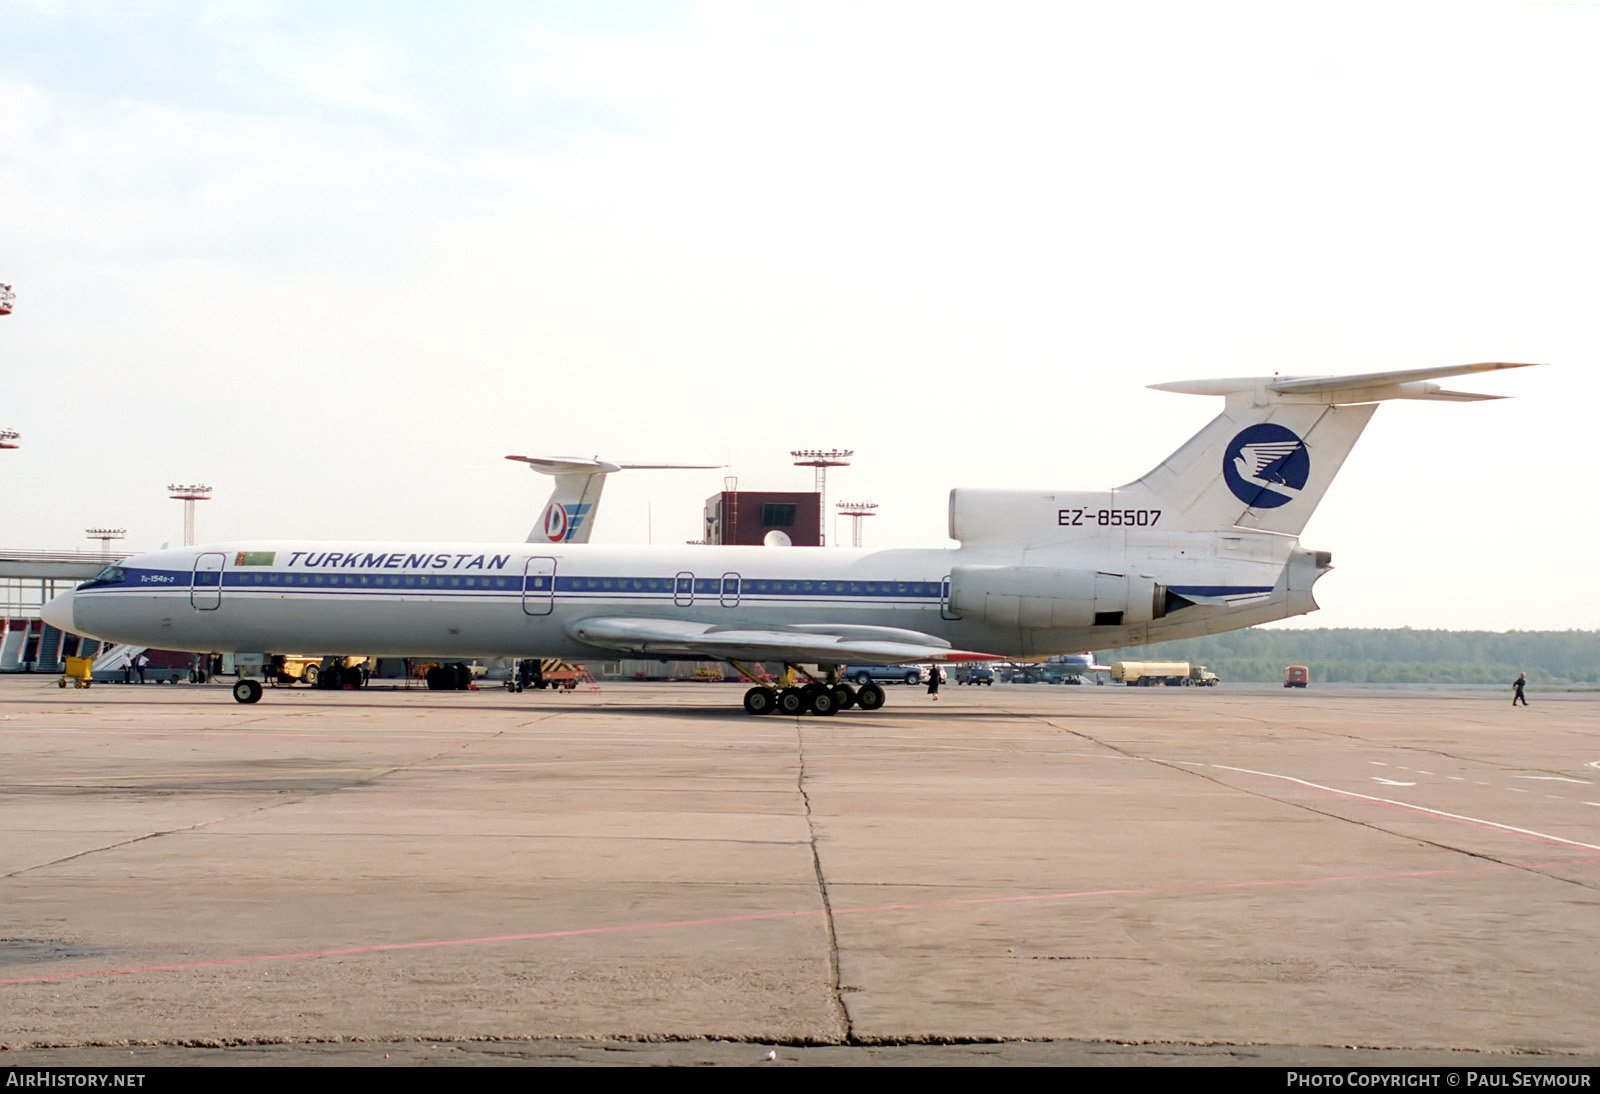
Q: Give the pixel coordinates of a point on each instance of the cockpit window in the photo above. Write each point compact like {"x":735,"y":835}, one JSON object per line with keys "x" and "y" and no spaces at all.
{"x":111,"y":575}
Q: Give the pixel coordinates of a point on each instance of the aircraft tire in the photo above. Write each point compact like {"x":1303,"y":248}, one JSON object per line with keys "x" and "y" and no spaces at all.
{"x":844,"y":696}
{"x":822,"y":701}
{"x":791,"y":701}
{"x":759,"y":701}
{"x":247,"y":691}
{"x":870,"y":697}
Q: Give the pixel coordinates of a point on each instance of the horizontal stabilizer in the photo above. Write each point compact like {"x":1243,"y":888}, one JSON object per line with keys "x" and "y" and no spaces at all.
{"x":566,"y":465}
{"x":1365,"y":387}
{"x":561,"y":465}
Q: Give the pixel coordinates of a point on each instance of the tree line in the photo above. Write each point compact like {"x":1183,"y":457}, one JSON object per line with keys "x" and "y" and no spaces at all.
{"x":1373,"y":656}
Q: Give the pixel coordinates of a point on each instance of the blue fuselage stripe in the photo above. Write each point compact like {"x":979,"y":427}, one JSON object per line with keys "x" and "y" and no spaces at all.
{"x":773,"y":590}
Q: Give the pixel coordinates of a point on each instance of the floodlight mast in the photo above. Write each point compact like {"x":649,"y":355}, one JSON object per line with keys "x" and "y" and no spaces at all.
{"x":821,"y":461}
{"x":189,"y":494}
{"x":857,"y":511}
{"x":105,"y":536}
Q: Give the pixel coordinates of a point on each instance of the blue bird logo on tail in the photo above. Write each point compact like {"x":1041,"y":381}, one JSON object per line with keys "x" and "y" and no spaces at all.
{"x":1266,"y":466}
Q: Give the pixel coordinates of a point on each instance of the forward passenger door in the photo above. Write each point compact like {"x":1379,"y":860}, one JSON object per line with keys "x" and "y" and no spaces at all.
{"x":539,"y":586}
{"x":205,"y":584}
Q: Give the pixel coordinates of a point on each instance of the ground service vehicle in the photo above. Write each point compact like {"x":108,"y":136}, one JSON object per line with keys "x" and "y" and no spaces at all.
{"x":886,"y":674}
{"x":1296,"y":676}
{"x":1055,"y":672}
{"x":1162,"y":674}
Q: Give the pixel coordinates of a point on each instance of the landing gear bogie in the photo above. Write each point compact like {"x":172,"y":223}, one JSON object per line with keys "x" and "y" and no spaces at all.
{"x":816,"y":696}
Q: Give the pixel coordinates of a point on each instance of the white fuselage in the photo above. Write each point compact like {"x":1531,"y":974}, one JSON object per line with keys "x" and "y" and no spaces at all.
{"x":463,"y":600}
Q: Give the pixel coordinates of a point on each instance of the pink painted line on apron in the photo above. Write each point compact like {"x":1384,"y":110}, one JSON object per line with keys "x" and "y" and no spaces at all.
{"x":758,"y":917}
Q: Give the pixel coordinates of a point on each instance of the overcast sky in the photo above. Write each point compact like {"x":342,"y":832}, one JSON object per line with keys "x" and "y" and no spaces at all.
{"x":337,"y":260}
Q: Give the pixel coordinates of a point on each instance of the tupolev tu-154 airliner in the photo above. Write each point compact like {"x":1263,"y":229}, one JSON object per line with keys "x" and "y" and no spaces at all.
{"x":1206,"y":542}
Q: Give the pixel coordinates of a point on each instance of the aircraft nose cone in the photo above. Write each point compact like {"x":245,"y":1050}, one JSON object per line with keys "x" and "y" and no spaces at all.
{"x":58,"y":613}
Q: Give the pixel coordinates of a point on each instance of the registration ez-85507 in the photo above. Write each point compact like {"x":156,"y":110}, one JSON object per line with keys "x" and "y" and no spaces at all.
{"x":1108,"y":518}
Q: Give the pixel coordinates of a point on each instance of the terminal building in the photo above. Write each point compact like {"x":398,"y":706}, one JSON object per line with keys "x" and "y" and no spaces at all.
{"x":28,"y":580}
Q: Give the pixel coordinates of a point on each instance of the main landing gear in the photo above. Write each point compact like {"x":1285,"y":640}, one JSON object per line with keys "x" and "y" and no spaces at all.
{"x":817,"y":697}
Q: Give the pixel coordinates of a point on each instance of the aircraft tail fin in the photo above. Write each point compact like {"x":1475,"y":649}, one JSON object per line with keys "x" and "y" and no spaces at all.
{"x":568,"y":516}
{"x":1265,"y":462}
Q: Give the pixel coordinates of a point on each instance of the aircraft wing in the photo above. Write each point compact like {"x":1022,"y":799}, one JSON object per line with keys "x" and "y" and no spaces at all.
{"x":820,"y":643}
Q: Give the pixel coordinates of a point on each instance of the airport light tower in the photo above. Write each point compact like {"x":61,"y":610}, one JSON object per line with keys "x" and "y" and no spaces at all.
{"x":189,"y":494}
{"x":856,"y":511}
{"x":821,"y":461}
{"x":105,"y":536}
